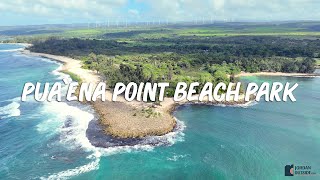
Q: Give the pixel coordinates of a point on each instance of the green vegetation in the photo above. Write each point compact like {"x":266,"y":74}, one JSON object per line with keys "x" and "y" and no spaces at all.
{"x":218,"y":29}
{"x":202,"y":53}
{"x":150,"y":113}
{"x":73,"y":76}
{"x":186,"y":59}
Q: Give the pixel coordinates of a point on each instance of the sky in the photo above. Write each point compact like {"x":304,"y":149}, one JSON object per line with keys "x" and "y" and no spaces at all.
{"x":30,"y":12}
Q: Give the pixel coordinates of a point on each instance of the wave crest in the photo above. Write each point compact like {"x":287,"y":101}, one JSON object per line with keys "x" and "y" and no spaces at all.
{"x":10,"y":110}
{"x":11,"y":50}
{"x":73,"y":172}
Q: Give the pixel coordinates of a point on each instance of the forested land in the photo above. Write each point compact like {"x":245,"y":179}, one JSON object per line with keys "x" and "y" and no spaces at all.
{"x":121,"y":58}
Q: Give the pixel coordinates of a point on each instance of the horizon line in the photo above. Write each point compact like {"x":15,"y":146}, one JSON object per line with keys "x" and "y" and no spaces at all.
{"x":164,"y":22}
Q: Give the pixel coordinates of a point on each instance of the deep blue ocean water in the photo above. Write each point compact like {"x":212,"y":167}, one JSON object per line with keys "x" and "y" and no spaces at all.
{"x":48,"y":140}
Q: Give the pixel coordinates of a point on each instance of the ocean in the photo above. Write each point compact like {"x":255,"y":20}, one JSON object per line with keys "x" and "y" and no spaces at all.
{"x":42,"y":140}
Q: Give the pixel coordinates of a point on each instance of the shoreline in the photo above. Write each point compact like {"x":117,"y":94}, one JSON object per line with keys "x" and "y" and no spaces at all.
{"x":123,"y":119}
{"x":120,"y":119}
{"x":23,"y":44}
{"x":245,"y":74}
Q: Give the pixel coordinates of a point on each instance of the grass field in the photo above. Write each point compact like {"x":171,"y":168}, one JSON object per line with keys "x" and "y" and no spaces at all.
{"x":210,"y":30}
{"x":134,"y":34}
{"x":318,"y":62}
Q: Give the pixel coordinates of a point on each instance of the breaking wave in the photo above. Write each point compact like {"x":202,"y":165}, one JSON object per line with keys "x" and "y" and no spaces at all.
{"x":11,"y":50}
{"x":10,"y":110}
{"x":72,"y":128}
{"x":70,"y":121}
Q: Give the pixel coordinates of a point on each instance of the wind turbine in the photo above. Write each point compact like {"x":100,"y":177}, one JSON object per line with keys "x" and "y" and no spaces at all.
{"x":117,"y":22}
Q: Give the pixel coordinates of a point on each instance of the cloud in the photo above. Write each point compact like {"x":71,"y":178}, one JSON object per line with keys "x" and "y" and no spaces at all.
{"x":99,"y":10}
{"x":218,"y":4}
{"x":237,"y":9}
{"x":63,"y":8}
{"x":133,"y":12}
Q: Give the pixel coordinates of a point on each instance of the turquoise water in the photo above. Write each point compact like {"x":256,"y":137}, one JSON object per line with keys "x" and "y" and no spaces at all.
{"x":35,"y":141}
{"x":48,"y":140}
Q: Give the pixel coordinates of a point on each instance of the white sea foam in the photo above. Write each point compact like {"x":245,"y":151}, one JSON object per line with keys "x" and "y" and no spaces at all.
{"x":308,"y":76}
{"x":10,"y":110}
{"x":169,"y":138}
{"x":76,"y":171}
{"x":11,"y":50}
{"x":16,"y":99}
{"x":74,"y":137}
{"x":245,"y":105}
{"x":59,"y":113}
{"x":20,"y":55}
{"x":57,"y":72}
{"x":176,"y":157}
{"x":47,"y":60}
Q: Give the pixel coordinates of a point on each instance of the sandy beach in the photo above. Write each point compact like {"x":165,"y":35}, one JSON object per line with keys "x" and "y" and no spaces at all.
{"x":134,"y":119}
{"x":122,"y":118}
